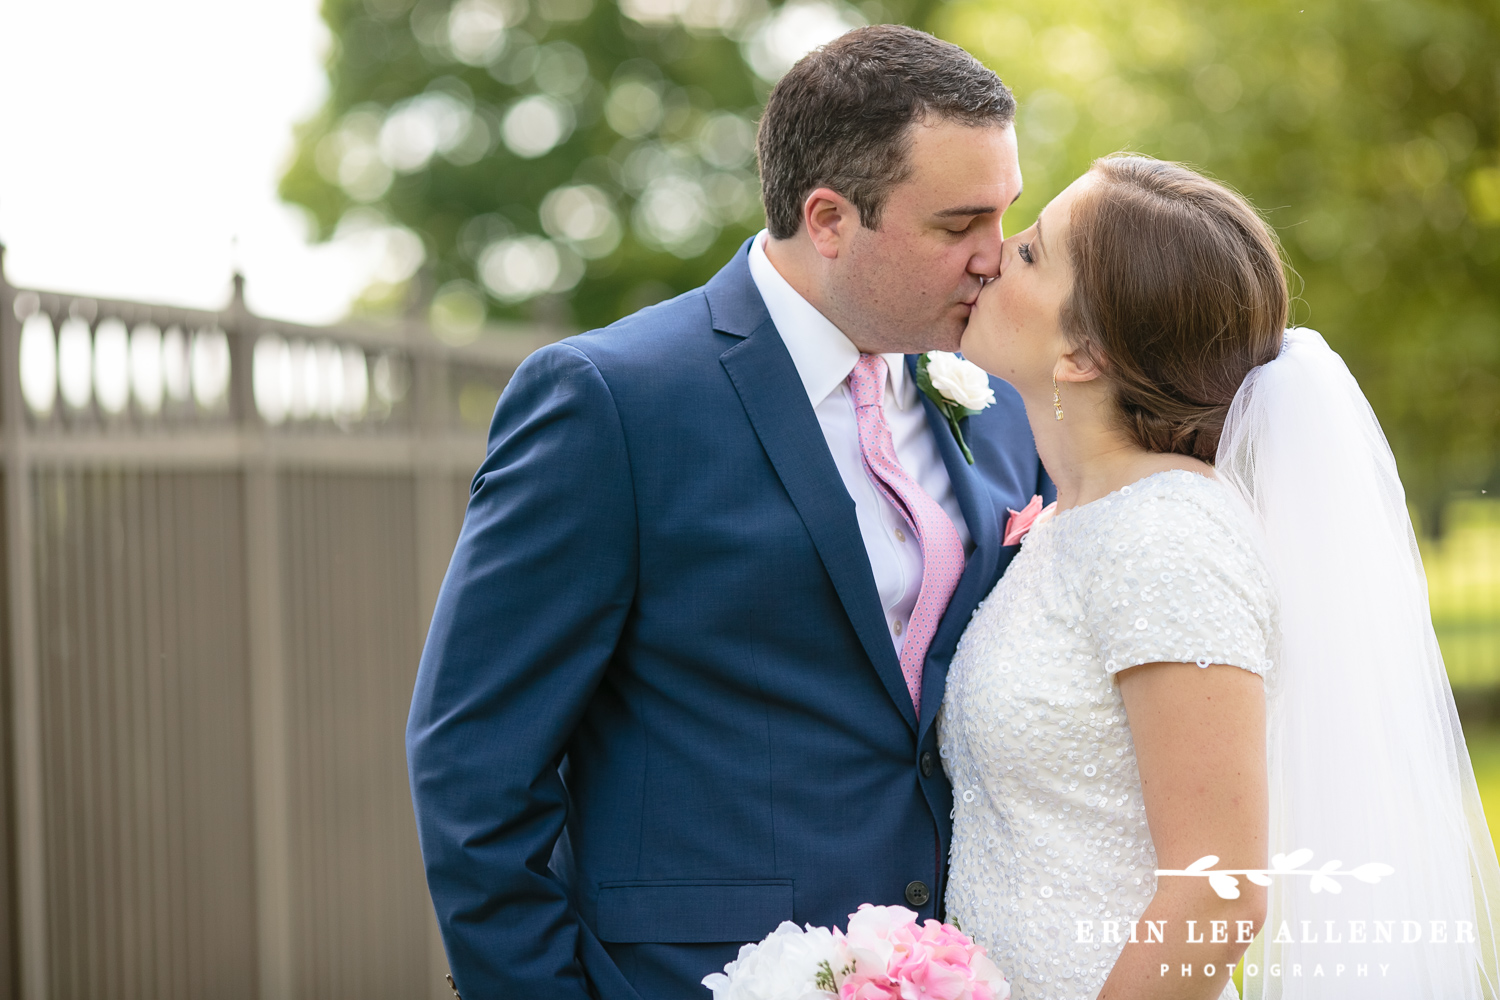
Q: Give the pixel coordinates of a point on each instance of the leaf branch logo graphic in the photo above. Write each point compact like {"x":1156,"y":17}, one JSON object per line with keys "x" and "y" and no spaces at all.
{"x":1323,"y":879}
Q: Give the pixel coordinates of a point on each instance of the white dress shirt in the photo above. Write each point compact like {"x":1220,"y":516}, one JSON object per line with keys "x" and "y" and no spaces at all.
{"x":824,"y":358}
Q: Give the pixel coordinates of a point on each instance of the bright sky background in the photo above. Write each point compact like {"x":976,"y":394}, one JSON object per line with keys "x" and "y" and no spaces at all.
{"x":140,"y":137}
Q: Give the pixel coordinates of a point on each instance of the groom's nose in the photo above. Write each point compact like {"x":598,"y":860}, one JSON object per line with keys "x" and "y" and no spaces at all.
{"x":984,"y":260}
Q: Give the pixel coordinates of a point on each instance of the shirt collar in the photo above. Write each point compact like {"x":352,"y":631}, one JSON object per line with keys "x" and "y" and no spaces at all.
{"x":824,"y":357}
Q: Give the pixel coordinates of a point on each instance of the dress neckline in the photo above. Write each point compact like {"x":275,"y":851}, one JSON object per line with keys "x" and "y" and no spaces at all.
{"x":1123,"y":491}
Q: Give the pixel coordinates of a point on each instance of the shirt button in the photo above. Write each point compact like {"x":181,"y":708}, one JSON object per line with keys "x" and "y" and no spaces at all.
{"x":896,"y":626}
{"x":926,"y":763}
{"x":917,"y":893}
{"x":900,"y":535}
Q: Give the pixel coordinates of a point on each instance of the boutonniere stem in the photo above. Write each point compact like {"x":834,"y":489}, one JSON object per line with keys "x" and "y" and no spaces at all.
{"x":957,"y":387}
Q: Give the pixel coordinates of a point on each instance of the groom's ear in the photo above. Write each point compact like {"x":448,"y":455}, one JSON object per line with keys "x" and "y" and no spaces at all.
{"x":830,"y":219}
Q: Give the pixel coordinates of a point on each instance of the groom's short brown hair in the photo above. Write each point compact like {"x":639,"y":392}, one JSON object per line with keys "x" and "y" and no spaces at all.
{"x":841,"y":118}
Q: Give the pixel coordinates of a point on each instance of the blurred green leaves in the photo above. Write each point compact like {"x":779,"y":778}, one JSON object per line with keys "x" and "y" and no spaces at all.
{"x":561,"y":160}
{"x":573,"y":160}
{"x":1366,"y":132}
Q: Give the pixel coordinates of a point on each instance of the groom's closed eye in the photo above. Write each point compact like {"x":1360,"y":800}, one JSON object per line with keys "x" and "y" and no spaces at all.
{"x":960,"y":220}
{"x":968,"y":213}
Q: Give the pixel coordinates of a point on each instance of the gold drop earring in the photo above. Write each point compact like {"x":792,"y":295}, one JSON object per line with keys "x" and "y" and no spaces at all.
{"x":1056,"y":399}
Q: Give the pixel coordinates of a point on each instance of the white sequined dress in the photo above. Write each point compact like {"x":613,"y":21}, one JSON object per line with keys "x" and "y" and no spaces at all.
{"x":1048,"y":822}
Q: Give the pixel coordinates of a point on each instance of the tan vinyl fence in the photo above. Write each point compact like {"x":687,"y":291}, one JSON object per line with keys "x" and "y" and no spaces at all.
{"x":222,"y":539}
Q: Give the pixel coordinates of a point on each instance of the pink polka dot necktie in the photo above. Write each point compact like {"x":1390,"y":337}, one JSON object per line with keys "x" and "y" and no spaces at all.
{"x":942,"y":549}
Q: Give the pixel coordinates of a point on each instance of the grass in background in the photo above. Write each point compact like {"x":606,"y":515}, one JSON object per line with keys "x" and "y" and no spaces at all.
{"x":1484,"y":751}
{"x":1463,"y":589}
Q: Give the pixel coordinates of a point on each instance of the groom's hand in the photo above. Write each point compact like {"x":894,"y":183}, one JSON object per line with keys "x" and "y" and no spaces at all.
{"x":528,"y":617}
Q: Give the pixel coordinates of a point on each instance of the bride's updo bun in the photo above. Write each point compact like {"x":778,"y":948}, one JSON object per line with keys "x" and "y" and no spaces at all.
{"x":1178,"y":292}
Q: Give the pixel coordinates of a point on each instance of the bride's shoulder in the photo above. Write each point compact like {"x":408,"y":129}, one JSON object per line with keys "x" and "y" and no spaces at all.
{"x":1183,"y":493}
{"x":1174,"y":574}
{"x":1177,"y":515}
{"x":1171,"y":498}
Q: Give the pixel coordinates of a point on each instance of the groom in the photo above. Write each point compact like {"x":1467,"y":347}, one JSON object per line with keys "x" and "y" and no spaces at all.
{"x":681,"y":679}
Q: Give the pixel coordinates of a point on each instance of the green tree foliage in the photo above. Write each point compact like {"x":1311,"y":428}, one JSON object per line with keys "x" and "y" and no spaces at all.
{"x":1365,"y":130}
{"x":572,"y":160}
{"x":565,"y":160}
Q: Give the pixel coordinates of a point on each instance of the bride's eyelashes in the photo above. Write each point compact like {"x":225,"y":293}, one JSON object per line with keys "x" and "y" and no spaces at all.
{"x":1023,"y":250}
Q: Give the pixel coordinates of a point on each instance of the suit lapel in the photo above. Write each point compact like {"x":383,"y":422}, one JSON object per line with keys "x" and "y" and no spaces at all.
{"x":979,"y":569}
{"x":771,"y":392}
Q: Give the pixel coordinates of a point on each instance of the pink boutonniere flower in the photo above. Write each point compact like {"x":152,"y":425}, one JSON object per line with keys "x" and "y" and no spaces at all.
{"x":1021,"y":520}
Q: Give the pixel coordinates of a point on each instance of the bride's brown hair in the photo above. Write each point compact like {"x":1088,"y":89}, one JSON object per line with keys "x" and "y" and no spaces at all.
{"x":1178,"y":291}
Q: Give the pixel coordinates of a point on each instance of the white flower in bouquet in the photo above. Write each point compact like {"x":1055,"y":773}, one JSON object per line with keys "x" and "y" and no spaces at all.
{"x":872,"y":933}
{"x":784,"y":966}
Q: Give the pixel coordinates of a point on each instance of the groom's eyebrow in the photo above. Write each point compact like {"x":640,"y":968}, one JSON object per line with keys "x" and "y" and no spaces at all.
{"x":949,"y":213}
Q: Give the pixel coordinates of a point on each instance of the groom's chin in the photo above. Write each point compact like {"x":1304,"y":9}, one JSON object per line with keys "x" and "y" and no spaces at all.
{"x":950,"y":335}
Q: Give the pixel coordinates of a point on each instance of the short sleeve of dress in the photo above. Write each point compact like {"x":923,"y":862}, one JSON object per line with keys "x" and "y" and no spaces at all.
{"x":1180,"y":581}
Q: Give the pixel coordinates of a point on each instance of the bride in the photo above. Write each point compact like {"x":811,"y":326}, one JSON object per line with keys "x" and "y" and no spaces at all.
{"x":1203,"y":711}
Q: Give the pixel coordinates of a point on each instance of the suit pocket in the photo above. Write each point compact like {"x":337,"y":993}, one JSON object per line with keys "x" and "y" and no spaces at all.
{"x":692,"y":912}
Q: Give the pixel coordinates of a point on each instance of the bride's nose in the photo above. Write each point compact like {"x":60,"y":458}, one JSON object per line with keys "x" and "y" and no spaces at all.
{"x":1008,"y":255}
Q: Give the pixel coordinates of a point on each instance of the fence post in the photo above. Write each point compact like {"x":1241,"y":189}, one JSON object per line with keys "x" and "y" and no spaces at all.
{"x":437,"y":524}
{"x":437,"y":521}
{"x":31,"y":935}
{"x":269,"y":726}
{"x":241,"y":335}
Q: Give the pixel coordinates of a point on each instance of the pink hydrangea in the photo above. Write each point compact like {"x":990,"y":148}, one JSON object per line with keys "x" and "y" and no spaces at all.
{"x":889,"y":957}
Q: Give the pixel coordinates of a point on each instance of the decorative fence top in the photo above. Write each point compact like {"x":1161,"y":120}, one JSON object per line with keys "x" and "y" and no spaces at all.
{"x":223,"y":536}
{"x":109,"y":370}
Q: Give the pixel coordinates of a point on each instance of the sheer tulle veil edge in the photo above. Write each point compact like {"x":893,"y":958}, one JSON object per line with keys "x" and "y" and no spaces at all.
{"x":1366,"y":759}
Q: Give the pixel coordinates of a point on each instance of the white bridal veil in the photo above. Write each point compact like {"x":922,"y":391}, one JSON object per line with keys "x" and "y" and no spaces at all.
{"x":1366,"y":759}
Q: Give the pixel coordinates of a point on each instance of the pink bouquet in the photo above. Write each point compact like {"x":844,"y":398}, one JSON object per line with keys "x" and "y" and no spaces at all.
{"x":885,"y":955}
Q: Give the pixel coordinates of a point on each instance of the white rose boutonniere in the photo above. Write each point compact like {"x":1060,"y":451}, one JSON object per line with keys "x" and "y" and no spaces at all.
{"x":959,"y":388}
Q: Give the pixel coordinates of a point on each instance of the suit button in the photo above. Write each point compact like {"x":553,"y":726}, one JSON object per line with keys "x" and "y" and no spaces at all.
{"x":917,"y":893}
{"x":926,"y":763}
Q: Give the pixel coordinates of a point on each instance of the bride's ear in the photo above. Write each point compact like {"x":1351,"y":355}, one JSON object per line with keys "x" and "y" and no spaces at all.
{"x":1076,"y":366}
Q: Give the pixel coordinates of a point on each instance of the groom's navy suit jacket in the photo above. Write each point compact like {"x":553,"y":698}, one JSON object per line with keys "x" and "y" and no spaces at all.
{"x":659,"y":710}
